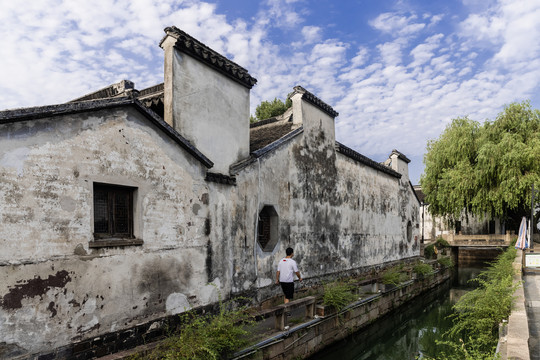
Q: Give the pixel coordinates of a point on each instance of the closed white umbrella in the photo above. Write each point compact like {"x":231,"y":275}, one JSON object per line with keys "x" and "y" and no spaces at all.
{"x":522,"y":237}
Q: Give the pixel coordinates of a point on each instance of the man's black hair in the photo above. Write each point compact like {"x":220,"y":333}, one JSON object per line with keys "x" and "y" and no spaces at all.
{"x":289,"y":251}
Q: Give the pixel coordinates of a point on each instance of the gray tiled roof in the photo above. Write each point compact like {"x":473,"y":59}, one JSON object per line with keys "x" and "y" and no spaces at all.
{"x":119,"y":89}
{"x":266,"y":132}
{"x":365,"y":160}
{"x":401,"y":156}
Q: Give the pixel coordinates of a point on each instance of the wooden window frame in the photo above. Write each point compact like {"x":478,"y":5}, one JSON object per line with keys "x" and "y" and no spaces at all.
{"x":111,"y":237}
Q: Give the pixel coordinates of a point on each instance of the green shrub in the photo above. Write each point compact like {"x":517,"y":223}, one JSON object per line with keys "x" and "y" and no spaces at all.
{"x":338,"y":294}
{"x":206,"y":336}
{"x":441,"y":243}
{"x":421,"y":268}
{"x":477,"y":314}
{"x":394,"y":276}
{"x":446,"y":261}
{"x":429,"y":251}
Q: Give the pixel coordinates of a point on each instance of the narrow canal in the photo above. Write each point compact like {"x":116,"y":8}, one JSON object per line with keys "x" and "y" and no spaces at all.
{"x":408,"y":332}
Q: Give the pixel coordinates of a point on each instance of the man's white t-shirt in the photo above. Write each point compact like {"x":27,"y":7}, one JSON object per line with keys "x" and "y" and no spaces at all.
{"x":287,"y":267}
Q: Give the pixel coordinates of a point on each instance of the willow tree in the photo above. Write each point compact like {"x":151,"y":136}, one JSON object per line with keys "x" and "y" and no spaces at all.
{"x":485,"y":169}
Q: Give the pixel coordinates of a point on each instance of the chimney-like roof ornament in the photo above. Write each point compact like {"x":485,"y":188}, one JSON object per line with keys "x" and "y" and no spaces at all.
{"x":212,"y":58}
{"x":312,"y":99}
{"x":401,"y":156}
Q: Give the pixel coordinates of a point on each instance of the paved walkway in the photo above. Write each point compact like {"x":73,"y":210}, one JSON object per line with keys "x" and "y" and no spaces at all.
{"x":531,"y":287}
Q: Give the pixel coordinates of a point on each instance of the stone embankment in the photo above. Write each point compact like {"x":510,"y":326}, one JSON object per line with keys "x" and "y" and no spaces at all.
{"x":310,"y":337}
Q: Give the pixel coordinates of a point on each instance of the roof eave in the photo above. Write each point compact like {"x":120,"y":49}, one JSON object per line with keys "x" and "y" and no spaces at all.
{"x":365,"y":160}
{"x":41,"y":112}
{"x":236,"y":168}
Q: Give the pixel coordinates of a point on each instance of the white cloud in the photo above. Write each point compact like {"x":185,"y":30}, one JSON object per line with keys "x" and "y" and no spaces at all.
{"x":360,"y":58}
{"x":396,"y":24}
{"x":391,"y":52}
{"x":392,"y":91}
{"x":512,"y":27}
{"x":311,"y":34}
{"x":423,"y":52}
{"x":435,"y":19}
{"x":280,"y":14}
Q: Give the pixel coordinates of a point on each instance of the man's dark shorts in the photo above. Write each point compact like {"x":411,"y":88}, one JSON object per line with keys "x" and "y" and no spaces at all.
{"x":288,"y":289}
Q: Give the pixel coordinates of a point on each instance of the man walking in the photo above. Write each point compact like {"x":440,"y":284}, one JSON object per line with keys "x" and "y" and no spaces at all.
{"x":285,"y":274}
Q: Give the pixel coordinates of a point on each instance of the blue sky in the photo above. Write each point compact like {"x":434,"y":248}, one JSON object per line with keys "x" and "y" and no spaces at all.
{"x":396,"y":71}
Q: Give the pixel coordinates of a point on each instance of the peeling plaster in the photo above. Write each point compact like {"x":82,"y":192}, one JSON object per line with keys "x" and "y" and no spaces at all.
{"x":177,"y":303}
{"x":32,"y":288}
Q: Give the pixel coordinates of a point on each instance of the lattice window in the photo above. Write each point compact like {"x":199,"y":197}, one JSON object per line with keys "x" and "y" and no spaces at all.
{"x":113,"y":211}
{"x":409,"y":231}
{"x":268,"y":228}
{"x":264,"y":228}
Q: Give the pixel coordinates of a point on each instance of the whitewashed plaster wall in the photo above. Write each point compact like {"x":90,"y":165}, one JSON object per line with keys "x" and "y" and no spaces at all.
{"x":54,"y":289}
{"x":435,"y":226}
{"x":206,"y":107}
{"x":338,"y":214}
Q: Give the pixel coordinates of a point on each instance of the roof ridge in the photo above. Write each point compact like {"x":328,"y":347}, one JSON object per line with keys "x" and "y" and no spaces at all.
{"x":151,"y":90}
{"x":37,"y":112}
{"x":113,"y":90}
{"x":314,"y":100}
{"x":207,"y":55}
{"x":40,"y":112}
{"x":347,"y":151}
{"x":401,"y":156}
{"x":263,"y":122}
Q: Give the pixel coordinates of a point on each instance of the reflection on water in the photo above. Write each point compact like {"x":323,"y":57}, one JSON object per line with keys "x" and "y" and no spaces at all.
{"x":408,"y":332}
{"x":463,"y":276}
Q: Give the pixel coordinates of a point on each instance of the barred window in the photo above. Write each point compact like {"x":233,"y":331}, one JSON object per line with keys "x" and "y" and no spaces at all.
{"x":113,"y":211}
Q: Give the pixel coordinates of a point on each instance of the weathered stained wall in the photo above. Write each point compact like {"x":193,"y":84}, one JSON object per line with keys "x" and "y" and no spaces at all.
{"x":338,"y":214}
{"x":54,"y":288}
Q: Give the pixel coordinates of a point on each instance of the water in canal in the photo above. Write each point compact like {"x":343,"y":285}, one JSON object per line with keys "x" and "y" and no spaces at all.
{"x":408,"y":332}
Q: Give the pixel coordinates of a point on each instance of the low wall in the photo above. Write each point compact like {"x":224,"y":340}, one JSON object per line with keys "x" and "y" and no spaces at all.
{"x":514,"y":340}
{"x":481,"y":240}
{"x":309,"y":338}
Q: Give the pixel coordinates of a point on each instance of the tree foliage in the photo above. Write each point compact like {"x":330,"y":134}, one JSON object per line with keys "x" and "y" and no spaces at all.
{"x":268,"y":109}
{"x":485,"y":169}
{"x":477,"y":314}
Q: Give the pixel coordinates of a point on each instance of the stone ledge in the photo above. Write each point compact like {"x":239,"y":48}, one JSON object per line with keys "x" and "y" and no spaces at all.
{"x":517,"y":338}
{"x":114,"y":243}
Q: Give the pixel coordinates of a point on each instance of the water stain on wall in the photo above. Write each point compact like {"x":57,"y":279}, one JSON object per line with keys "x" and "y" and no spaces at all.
{"x":161,"y":277}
